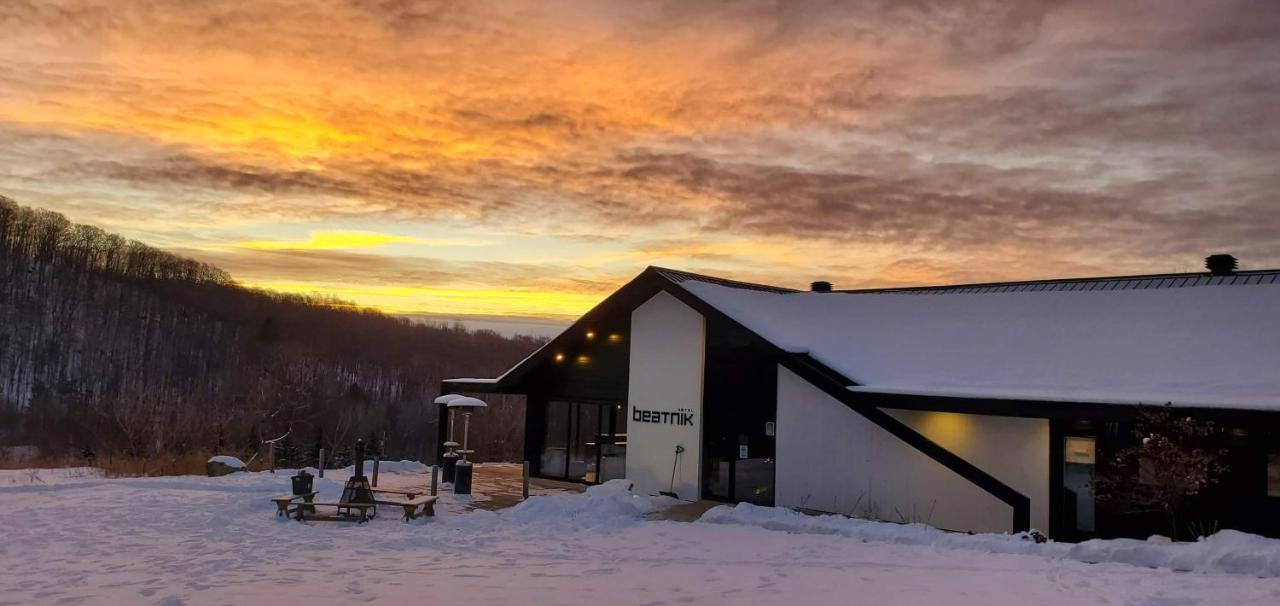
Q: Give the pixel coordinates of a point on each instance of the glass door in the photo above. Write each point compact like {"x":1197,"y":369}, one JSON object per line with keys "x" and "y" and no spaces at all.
{"x":584,"y":444}
{"x":554,"y":460}
{"x":613,"y":442}
{"x":1079,"y":457}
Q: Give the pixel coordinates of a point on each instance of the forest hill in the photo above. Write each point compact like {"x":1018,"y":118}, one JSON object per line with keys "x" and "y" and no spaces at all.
{"x":114,"y":347}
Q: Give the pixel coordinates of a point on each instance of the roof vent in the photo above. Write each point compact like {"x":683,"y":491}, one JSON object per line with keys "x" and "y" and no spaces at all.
{"x":820,"y":286}
{"x":1221,"y":265}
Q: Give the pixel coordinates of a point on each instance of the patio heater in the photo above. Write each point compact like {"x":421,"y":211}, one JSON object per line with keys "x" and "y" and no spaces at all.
{"x":450,"y":457}
{"x":462,"y":471}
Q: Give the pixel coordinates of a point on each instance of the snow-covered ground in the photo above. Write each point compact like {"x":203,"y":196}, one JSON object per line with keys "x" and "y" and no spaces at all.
{"x":75,"y":539}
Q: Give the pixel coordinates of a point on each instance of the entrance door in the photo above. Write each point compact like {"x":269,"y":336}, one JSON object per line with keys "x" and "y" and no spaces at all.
{"x":738,"y":461}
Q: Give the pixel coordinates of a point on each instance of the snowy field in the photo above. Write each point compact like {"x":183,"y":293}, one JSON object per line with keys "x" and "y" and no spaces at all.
{"x":71,"y":537}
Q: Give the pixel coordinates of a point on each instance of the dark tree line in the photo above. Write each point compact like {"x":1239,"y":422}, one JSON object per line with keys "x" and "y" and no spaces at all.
{"x":110,"y":346}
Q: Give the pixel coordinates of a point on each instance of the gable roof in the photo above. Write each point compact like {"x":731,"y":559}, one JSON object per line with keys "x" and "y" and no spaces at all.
{"x":1185,"y":339}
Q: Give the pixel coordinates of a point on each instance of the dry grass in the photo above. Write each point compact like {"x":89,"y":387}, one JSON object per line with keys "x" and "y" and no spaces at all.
{"x":42,"y":463}
{"x":126,"y":467}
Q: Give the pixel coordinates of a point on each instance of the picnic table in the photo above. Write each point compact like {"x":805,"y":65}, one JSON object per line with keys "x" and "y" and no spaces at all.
{"x":303,"y":506}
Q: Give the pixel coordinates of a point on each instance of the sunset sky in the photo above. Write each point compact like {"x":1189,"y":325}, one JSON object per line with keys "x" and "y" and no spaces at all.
{"x":525,"y":158}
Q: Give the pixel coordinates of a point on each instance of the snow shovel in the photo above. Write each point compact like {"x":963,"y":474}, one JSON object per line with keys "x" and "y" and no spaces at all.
{"x":671,"y":491}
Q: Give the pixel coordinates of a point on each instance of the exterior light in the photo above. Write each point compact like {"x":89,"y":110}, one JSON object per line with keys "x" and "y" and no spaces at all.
{"x":559,"y":357}
{"x":583,"y":360}
{"x":615,"y":338}
{"x":591,"y":334}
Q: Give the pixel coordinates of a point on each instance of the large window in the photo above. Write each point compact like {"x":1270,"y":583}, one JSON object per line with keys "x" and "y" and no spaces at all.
{"x":555,"y":441}
{"x":585,"y":441}
{"x":584,"y":450}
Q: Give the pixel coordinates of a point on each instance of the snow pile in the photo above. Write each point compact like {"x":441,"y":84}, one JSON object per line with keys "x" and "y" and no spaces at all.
{"x":61,"y":475}
{"x":602,"y":505}
{"x":228,"y":460}
{"x":1227,"y":551}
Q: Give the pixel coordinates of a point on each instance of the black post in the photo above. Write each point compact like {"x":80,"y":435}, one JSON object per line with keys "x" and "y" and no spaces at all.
{"x":524,"y":493}
{"x":359,"y":459}
{"x":442,"y":417}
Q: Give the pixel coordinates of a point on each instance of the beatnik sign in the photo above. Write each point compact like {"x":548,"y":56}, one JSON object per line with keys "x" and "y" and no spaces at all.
{"x":682,"y":416}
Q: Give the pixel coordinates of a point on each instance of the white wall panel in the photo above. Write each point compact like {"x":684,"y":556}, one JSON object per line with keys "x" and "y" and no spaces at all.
{"x":664,"y":398}
{"x":830,"y":458}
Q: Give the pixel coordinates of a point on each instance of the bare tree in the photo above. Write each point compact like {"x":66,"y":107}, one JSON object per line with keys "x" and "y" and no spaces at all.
{"x":1174,"y":459}
{"x":113,"y":346}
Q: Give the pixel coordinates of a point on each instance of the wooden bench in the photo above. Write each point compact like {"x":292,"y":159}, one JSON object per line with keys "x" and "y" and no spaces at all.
{"x":285,"y":500}
{"x":408,"y":493}
{"x":427,"y":503}
{"x":363,"y":514}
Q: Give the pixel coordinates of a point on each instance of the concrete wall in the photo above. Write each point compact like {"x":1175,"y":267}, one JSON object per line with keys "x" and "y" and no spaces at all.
{"x":830,"y":458}
{"x":664,"y":399}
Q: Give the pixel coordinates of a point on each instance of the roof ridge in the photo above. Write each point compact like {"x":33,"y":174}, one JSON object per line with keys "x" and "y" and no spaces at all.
{"x":676,"y":275}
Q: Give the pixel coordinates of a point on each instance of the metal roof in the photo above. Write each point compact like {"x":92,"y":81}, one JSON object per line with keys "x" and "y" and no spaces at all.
{"x":1144,"y":282}
{"x":1270,"y":276}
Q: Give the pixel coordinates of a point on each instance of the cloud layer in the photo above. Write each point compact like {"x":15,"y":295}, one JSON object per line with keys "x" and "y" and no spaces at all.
{"x":880,"y":142}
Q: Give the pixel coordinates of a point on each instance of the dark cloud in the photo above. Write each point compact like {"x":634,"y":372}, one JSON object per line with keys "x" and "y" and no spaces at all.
{"x":962,"y":208}
{"x":190,"y":171}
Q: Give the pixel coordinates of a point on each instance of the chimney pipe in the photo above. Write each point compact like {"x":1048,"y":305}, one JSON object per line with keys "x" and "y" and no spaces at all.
{"x":1221,"y":265}
{"x":820,"y":286}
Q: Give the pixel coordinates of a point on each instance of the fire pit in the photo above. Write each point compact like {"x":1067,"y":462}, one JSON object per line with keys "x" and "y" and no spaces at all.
{"x":357,"y":490}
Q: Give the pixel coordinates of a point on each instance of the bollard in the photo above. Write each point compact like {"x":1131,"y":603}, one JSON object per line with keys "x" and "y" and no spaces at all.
{"x":375,"y":470}
{"x":524,"y":493}
{"x":320,"y":463}
{"x":434,"y":470}
{"x":450,"y":467}
{"x":462,"y":478}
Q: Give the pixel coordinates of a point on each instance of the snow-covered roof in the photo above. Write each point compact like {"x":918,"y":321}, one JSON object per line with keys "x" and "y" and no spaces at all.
{"x":1181,"y":339}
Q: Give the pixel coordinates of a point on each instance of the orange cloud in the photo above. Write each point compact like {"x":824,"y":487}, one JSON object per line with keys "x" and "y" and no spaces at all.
{"x":346,"y":240}
{"x":861,"y":142}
